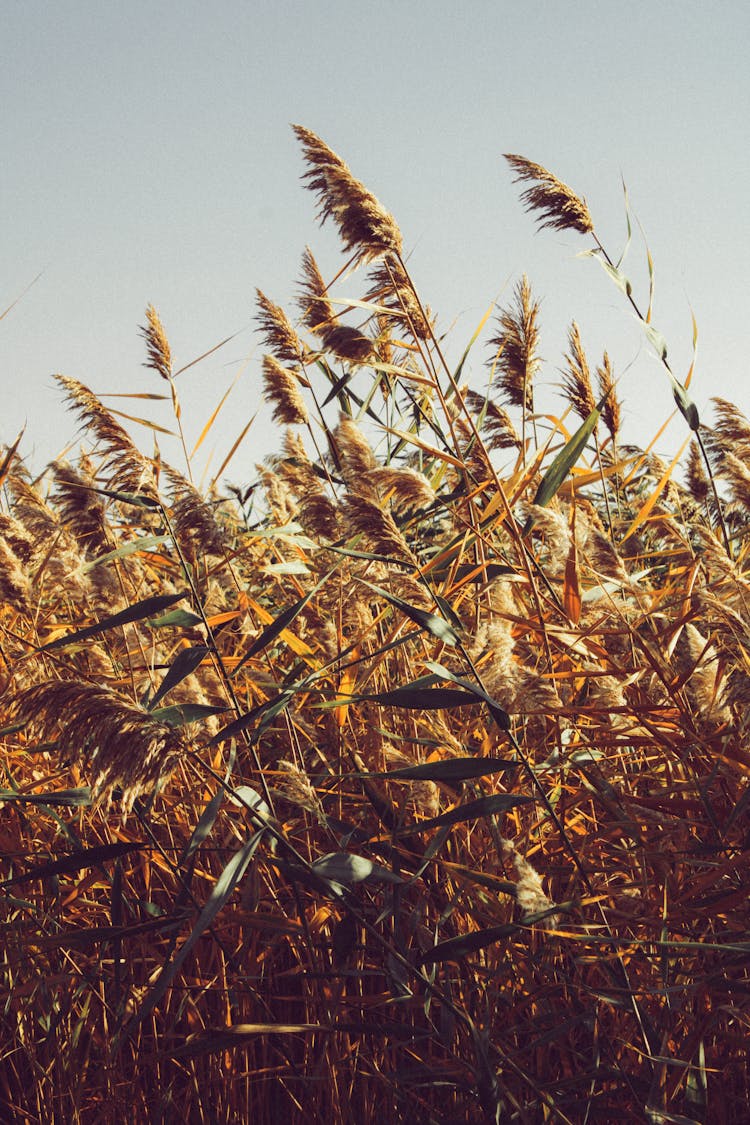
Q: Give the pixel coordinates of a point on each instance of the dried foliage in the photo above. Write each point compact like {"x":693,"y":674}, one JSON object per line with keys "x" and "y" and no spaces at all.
{"x":406,"y":782}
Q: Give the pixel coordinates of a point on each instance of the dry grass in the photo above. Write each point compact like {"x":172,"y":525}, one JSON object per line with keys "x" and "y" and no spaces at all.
{"x":417,"y":791}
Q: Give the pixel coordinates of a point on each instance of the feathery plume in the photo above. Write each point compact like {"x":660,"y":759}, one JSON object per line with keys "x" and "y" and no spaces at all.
{"x":366,"y":517}
{"x":319,"y":515}
{"x":357,"y":459}
{"x":317,"y":311}
{"x":348,"y":343}
{"x":193,"y":520}
{"x":576,"y":384}
{"x":612,"y":408}
{"x":157,"y":346}
{"x":559,"y":206}
{"x":732,"y":429}
{"x":14,"y":582}
{"x":530,"y":894}
{"x":119,"y":743}
{"x":390,"y":287}
{"x":17,"y":538}
{"x":408,"y":490}
{"x":296,"y":786}
{"x":364,"y":224}
{"x":279,"y":336}
{"x":696,"y":480}
{"x":515,"y":348}
{"x":496,"y":423}
{"x":281,"y":388}
{"x":129,"y":470}
{"x":81,"y":508}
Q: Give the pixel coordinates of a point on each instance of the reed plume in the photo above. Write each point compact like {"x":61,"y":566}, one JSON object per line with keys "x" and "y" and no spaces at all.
{"x":157,"y":346}
{"x":81,"y":508}
{"x":558,"y":205}
{"x":129,"y":471}
{"x":612,"y":408}
{"x":391,"y":287}
{"x":576,"y":384}
{"x":193,"y":520}
{"x":119,"y":744}
{"x":279,"y":335}
{"x":318,"y":313}
{"x":365,"y":227}
{"x":281,"y":389}
{"x":515,"y":348}
{"x":496,"y":423}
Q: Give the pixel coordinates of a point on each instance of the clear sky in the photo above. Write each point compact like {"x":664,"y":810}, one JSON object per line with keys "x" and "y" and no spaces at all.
{"x":147,"y":157}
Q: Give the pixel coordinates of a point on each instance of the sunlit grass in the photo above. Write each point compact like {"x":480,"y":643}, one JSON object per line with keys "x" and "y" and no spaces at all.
{"x":403,"y":781}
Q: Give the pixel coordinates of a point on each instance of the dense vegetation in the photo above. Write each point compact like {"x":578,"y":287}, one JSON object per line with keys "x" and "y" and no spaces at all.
{"x":407,"y":781}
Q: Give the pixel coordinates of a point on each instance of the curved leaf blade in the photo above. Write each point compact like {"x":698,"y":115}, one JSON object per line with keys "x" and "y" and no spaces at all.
{"x":449,"y":770}
{"x":145,"y":608}
{"x":182,"y":666}
{"x":438,"y":626}
{"x":472,"y":810}
{"x":558,"y":471}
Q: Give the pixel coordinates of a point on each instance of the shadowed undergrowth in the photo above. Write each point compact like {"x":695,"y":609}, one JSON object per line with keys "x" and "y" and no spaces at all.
{"x":407,"y":781}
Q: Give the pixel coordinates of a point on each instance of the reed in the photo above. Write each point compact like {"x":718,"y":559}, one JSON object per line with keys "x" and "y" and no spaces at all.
{"x":408,"y":780}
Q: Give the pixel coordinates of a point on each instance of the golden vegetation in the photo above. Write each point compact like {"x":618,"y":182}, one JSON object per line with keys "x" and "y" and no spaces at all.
{"x":414,"y":790}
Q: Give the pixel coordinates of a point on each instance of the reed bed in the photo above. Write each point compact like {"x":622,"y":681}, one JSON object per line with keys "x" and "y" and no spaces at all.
{"x":405,"y":781}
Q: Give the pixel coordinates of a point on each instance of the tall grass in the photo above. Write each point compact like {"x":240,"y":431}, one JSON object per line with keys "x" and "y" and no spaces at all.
{"x":406,"y":781}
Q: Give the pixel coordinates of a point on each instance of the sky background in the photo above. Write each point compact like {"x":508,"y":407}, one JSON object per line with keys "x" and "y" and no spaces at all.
{"x":147,"y":156}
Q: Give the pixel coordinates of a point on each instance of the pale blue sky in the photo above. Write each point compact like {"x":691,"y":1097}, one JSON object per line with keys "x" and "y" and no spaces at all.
{"x":147,"y":157}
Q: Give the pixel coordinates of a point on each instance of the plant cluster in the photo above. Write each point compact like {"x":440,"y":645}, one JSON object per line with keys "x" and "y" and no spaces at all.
{"x":408,"y":781}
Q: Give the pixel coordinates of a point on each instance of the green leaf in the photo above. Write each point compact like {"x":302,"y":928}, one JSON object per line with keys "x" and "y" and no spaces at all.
{"x":481,"y":572}
{"x":136,"y":612}
{"x":655,"y":338}
{"x":626,"y":247}
{"x":94,"y":935}
{"x":472,"y":810}
{"x":421,"y":698}
{"x":245,"y":797}
{"x":294,"y":566}
{"x":343,"y":867}
{"x":500,"y":716}
{"x":71,"y":797}
{"x":262,"y":715}
{"x":279,"y":624}
{"x":182,"y":666}
{"x":369,"y":556}
{"x":558,"y":471}
{"x":183,"y":713}
{"x":178,"y":618}
{"x":619,"y":278}
{"x":216,"y":1039}
{"x":449,"y":770}
{"x":90,"y":857}
{"x":133,"y":498}
{"x":223,"y":888}
{"x":438,"y":626}
{"x":470,"y":345}
{"x":139,"y":544}
{"x":208,"y":817}
{"x":685,"y":404}
{"x":456,"y":949}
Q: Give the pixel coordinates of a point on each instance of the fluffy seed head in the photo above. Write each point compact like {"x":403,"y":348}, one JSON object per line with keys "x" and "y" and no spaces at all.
{"x":364,"y":224}
{"x":157,"y":345}
{"x":558,"y":205}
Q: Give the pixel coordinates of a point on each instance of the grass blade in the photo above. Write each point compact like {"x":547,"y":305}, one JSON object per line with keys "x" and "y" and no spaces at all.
{"x":137,"y":612}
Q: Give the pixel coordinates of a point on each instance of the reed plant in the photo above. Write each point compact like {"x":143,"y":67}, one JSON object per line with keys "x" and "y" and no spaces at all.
{"x":404,"y":781}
